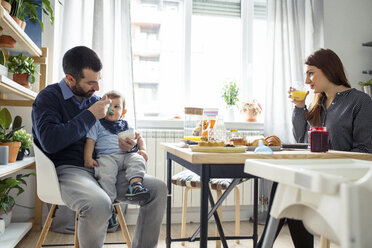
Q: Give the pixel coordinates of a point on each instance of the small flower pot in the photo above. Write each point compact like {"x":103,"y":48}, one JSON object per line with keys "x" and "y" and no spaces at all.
{"x":22,"y":79}
{"x":22,"y":153}
{"x":7,"y":6}
{"x":251,"y":116}
{"x":7,"y":41}
{"x":13,"y":150}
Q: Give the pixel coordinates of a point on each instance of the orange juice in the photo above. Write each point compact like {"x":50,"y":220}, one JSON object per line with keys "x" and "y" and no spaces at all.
{"x":298,"y":95}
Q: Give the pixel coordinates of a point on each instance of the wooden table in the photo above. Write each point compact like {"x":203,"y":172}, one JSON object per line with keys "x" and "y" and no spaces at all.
{"x":228,"y":165}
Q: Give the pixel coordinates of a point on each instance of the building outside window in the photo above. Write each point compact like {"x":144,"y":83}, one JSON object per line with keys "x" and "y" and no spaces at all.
{"x":184,"y":51}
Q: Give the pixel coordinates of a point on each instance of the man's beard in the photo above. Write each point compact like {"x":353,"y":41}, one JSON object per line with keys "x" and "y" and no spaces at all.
{"x":77,"y":90}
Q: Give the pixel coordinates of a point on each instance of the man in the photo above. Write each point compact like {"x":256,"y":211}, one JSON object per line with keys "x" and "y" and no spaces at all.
{"x":62,"y":114}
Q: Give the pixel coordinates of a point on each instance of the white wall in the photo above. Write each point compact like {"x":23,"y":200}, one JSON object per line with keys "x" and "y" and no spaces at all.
{"x":348,"y":24}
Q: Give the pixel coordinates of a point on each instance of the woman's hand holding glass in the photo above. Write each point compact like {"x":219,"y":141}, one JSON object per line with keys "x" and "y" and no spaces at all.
{"x":298,"y":97}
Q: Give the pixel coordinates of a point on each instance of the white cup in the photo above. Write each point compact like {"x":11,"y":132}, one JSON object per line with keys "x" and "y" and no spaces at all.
{"x":127,"y":134}
{"x":2,"y":226}
{"x":4,"y":153}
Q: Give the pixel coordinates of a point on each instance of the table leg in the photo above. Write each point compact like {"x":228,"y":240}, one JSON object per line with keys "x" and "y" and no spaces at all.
{"x":272,"y":227}
{"x":255,"y":211}
{"x":218,"y":221}
{"x":169,"y":203}
{"x":204,"y":187}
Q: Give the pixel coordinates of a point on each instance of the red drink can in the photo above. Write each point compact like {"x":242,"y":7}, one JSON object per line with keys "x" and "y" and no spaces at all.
{"x":318,"y":138}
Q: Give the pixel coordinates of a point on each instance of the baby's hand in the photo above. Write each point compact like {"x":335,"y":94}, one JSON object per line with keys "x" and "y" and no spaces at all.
{"x":90,"y":163}
{"x":143,"y":153}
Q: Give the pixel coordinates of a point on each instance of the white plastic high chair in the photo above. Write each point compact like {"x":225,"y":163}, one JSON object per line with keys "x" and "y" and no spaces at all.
{"x":48,"y":191}
{"x":332,"y":197}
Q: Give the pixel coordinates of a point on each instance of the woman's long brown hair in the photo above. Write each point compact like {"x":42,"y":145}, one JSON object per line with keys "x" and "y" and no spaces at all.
{"x":331,"y":65}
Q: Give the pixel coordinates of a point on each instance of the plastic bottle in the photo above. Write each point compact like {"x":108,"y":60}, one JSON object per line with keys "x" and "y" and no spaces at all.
{"x":209,"y":121}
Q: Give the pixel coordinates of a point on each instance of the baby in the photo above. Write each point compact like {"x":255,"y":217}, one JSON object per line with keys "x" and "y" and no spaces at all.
{"x":111,"y":160}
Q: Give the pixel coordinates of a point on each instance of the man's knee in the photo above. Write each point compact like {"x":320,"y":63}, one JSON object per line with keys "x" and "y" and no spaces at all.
{"x":97,"y":209}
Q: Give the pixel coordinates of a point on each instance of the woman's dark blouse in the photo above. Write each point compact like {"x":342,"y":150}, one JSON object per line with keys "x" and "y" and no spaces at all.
{"x":348,"y":120}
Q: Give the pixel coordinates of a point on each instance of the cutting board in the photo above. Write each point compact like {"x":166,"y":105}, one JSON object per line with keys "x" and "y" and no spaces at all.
{"x":219,"y":149}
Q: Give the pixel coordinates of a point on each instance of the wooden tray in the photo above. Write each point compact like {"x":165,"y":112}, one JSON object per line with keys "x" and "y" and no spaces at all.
{"x":219,"y":149}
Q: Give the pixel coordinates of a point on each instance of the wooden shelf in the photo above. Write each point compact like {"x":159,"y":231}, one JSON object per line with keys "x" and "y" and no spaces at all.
{"x":8,"y":86}
{"x":23,"y":42}
{"x":11,"y":168}
{"x":13,"y":234}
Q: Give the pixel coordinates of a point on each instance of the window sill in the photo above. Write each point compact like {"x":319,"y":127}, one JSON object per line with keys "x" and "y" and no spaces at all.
{"x":178,"y":124}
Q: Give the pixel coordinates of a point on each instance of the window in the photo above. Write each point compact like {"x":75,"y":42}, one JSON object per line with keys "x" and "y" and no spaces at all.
{"x":184,"y":51}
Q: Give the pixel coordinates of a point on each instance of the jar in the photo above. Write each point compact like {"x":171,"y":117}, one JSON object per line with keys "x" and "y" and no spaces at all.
{"x":209,"y":121}
{"x":193,"y":123}
{"x":318,"y":139}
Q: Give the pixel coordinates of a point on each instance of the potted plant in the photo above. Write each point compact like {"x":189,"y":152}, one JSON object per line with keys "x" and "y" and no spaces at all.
{"x":7,"y":201}
{"x":251,"y":109}
{"x":7,"y":129}
{"x":230,"y":95}
{"x":26,"y":142}
{"x":367,"y":87}
{"x":28,"y":11}
{"x":23,"y":69}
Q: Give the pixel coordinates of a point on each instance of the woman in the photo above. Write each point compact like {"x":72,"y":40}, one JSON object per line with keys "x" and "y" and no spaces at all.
{"x":344,"y":111}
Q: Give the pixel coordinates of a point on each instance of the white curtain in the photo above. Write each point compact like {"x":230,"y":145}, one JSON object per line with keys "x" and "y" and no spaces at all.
{"x":104,"y":26}
{"x":295,"y":30}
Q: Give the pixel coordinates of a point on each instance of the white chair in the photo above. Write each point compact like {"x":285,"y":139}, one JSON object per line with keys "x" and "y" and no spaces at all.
{"x":190,"y":180}
{"x":48,"y":191}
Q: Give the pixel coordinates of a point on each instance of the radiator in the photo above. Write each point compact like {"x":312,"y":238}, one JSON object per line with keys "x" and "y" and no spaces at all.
{"x":157,"y":167}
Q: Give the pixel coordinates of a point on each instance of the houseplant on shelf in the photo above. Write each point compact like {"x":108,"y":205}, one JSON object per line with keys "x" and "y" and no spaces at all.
{"x":230,"y":95}
{"x":251,"y":109}
{"x":7,"y":129}
{"x":28,"y":11}
{"x":7,"y":201}
{"x":23,"y":69}
{"x":26,"y":142}
{"x":367,"y":87}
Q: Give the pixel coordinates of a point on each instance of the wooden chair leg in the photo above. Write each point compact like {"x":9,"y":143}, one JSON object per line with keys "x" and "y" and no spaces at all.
{"x":46,"y":227}
{"x":123,"y":225}
{"x":237,"y":213}
{"x":76,"y":240}
{"x":219,"y":211}
{"x":184,"y":214}
{"x":324,"y":243}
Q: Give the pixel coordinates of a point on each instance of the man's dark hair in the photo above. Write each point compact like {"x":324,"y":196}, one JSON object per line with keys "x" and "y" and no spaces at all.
{"x":78,"y":58}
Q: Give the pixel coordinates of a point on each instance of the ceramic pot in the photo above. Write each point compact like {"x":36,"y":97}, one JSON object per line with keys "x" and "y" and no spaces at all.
{"x":22,"y":153}
{"x":251,"y":117}
{"x":2,"y":226}
{"x":22,"y":79}
{"x":7,"y":6}
{"x":13,"y":150}
{"x":23,"y":25}
{"x":18,"y":21}
{"x":6,"y":217}
{"x":7,"y":41}
{"x":230,"y":111}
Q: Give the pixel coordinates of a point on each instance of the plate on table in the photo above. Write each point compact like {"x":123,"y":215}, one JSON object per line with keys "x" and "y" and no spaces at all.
{"x":219,"y":149}
{"x":274,"y":148}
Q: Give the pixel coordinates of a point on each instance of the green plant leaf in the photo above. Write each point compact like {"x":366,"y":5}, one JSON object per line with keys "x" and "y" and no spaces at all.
{"x":5,"y":118}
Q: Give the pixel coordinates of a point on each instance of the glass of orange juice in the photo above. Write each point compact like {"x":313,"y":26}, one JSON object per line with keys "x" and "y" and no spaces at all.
{"x":298,"y":95}
{"x":299,"y":92}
